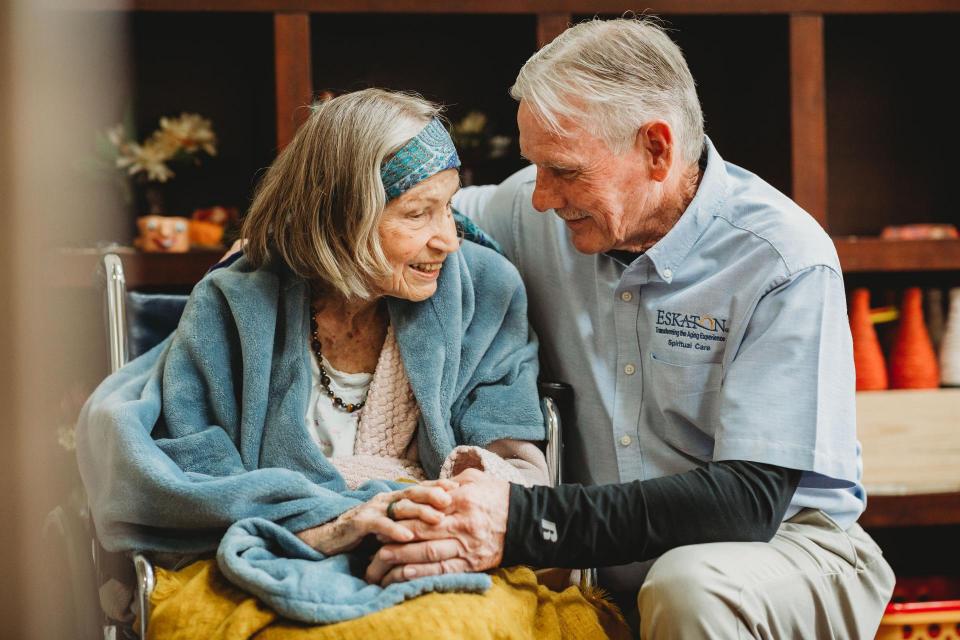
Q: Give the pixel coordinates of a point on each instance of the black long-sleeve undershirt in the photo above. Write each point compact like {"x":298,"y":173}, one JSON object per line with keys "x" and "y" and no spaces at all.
{"x":604,"y":525}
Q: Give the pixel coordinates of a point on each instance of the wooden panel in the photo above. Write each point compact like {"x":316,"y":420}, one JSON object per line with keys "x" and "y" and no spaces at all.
{"x":177,"y":66}
{"x":913,"y":510}
{"x":874,"y":91}
{"x":874,"y":254}
{"x":294,"y":90}
{"x":910,"y":440}
{"x":747,"y":113}
{"x":400,"y":52}
{"x":808,"y":118}
{"x":79,"y":268}
{"x":911,"y":446}
{"x":550,"y":25}
{"x":523,"y":6}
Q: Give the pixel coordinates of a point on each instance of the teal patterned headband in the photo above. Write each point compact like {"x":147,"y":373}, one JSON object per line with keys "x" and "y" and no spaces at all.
{"x":428,"y":153}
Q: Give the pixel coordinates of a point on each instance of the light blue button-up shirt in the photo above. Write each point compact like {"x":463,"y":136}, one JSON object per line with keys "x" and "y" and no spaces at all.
{"x":727,"y":340}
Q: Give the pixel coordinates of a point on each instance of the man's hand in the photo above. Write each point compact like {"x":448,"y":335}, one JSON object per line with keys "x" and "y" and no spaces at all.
{"x":468,"y":538}
{"x":424,"y":502}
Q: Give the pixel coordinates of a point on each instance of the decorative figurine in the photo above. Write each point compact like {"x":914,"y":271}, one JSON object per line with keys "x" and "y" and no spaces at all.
{"x":163,"y":234}
{"x":208,"y":225}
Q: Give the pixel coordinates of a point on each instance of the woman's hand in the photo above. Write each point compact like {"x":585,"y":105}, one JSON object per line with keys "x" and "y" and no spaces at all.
{"x":469,"y":538}
{"x":425,"y":502}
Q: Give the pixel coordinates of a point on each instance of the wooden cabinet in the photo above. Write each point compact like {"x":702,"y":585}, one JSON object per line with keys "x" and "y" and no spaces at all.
{"x":843,"y":104}
{"x":220,"y":66}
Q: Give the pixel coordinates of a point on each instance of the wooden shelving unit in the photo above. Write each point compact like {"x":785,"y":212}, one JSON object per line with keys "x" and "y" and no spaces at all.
{"x":833,"y":136}
{"x":525,"y":6}
{"x":807,"y":153}
{"x":79,"y":267}
{"x":859,"y":255}
{"x":911,"y":449}
{"x":914,"y":510}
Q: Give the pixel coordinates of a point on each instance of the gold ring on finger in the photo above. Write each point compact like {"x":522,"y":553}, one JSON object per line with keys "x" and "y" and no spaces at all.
{"x":391,"y":513}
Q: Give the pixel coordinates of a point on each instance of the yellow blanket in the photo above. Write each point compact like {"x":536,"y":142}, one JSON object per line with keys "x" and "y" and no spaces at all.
{"x":198,"y":602}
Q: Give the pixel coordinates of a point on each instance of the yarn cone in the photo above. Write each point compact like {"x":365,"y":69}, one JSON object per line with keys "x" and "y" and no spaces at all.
{"x":867,"y":354}
{"x":933,"y":314}
{"x":913,"y":362}
{"x":950,"y":344}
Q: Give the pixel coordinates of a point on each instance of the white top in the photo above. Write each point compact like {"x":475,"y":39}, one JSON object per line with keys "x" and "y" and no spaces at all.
{"x":333,"y":429}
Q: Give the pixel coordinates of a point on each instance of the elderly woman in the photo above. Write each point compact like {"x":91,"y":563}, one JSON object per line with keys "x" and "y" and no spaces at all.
{"x":355,"y":348}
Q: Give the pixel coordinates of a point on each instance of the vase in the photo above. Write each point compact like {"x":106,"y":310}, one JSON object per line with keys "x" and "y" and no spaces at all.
{"x":933,"y":313}
{"x":153,"y":194}
{"x":913,"y":362}
{"x":950,"y":344}
{"x":867,"y":354}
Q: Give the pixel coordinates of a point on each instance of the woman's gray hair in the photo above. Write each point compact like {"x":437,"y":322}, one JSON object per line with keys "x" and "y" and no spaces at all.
{"x":612,"y":77}
{"x":319,"y":205}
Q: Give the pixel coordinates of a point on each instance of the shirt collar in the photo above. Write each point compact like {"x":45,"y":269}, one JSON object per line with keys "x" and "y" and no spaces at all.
{"x":671,"y":250}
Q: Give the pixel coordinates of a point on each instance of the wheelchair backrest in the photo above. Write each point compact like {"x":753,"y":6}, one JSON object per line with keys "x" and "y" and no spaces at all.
{"x":151,"y":317}
{"x":136,"y":322}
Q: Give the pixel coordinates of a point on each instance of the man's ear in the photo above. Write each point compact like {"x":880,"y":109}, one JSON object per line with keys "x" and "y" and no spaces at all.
{"x":655,"y":141}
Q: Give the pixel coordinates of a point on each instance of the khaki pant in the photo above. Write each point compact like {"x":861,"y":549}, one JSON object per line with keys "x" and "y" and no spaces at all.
{"x":813,"y":580}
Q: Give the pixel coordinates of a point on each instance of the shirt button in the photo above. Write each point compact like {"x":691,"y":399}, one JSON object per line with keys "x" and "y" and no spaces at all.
{"x":626,"y":296}
{"x":625,"y":440}
{"x":667,"y":273}
{"x":629,"y":369}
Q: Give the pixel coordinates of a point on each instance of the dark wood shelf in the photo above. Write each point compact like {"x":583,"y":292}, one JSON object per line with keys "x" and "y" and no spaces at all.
{"x":911,"y":510}
{"x":525,"y":6}
{"x":80,"y":267}
{"x":858,"y":255}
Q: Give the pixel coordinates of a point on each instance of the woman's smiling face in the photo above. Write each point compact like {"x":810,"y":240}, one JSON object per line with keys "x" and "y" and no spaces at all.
{"x":417,"y":234}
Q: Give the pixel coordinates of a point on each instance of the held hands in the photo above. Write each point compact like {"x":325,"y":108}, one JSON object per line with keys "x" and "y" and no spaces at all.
{"x":424,"y":503}
{"x":468,"y":536}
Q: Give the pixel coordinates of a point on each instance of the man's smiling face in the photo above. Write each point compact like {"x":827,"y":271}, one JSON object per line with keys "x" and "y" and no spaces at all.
{"x":606,"y":200}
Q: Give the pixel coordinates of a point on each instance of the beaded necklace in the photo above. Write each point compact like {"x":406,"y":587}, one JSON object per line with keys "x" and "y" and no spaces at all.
{"x":338,"y":402}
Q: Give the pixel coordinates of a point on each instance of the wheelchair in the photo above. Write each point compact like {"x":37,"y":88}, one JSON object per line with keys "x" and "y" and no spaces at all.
{"x":138,"y":321}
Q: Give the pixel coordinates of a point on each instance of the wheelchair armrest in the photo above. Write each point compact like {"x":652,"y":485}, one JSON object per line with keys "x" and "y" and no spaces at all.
{"x":554,"y":448}
{"x":556,"y":400}
{"x":146,"y":581}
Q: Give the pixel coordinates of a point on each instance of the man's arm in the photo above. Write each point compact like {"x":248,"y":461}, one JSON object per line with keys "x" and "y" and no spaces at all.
{"x":471,"y":201}
{"x":494,"y":207}
{"x":576,"y":526}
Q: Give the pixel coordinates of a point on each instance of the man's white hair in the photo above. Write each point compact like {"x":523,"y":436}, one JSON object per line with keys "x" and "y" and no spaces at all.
{"x":612,"y":77}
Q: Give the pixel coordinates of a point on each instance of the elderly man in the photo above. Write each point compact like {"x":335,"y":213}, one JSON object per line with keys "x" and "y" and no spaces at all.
{"x":700,"y":316}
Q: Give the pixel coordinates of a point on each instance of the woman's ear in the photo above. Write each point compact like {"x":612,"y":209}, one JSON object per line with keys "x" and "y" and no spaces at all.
{"x":655,"y":140}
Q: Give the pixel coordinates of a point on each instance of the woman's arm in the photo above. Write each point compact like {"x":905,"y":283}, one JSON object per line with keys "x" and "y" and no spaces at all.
{"x":170,"y":459}
{"x":517,"y":461}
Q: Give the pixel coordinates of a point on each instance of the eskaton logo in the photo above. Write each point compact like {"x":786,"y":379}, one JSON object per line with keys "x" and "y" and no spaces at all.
{"x":699,"y":329}
{"x":691,"y":321}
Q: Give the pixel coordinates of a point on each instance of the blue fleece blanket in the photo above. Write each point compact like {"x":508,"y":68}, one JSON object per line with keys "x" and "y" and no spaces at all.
{"x":205,"y":433}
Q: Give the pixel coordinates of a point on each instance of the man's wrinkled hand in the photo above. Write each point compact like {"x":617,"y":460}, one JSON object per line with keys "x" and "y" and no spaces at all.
{"x":425,"y":502}
{"x":469,"y":537}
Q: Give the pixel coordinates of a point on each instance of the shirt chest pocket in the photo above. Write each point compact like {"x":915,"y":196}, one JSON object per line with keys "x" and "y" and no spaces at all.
{"x":683,"y":403}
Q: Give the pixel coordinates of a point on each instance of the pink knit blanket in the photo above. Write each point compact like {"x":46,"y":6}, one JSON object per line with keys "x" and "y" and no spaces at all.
{"x":385,"y":448}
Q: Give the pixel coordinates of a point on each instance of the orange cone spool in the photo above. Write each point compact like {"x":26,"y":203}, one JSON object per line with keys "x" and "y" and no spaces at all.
{"x":867,"y":354}
{"x":913,"y":362}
